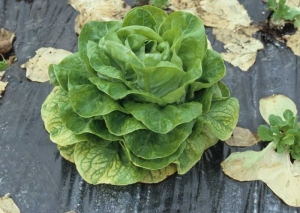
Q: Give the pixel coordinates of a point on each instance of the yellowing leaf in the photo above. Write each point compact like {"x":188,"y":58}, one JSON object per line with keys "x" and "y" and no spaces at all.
{"x":98,"y":10}
{"x":7,"y":205}
{"x":2,"y":86}
{"x":276,"y":170}
{"x":293,"y":42}
{"x":6,"y":39}
{"x":241,"y":47}
{"x":242,"y":137}
{"x":275,"y":104}
{"x":155,"y":176}
{"x":37,"y":67}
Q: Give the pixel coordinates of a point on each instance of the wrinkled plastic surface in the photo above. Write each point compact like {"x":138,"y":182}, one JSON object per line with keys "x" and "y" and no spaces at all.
{"x":40,"y":181}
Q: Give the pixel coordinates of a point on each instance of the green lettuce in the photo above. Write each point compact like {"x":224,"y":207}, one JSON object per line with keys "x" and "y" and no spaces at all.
{"x":140,"y":100}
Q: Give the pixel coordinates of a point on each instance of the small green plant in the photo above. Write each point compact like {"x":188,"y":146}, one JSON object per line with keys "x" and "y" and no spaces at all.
{"x":284,"y":133}
{"x":283,"y":14}
{"x":159,"y":3}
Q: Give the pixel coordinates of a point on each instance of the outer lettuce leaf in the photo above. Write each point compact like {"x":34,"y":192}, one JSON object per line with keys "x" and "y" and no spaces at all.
{"x":67,"y":152}
{"x":108,"y":164}
{"x":80,"y":125}
{"x":163,"y":119}
{"x":155,"y":176}
{"x":150,"y":145}
{"x":222,"y":117}
{"x":158,"y":163}
{"x":59,"y":134}
{"x":196,"y":144}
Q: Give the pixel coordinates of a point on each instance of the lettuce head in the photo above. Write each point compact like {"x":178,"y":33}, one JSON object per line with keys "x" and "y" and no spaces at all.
{"x":140,"y":100}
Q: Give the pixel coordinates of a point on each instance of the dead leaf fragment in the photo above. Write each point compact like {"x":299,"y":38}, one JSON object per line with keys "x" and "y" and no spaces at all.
{"x":37,"y":67}
{"x":242,"y":137}
{"x":229,"y":14}
{"x":293,"y":3}
{"x":275,"y":104}
{"x":185,"y":5}
{"x":241,"y":48}
{"x":276,"y":170}
{"x":293,"y":42}
{"x":98,"y":10}
{"x":2,"y":86}
{"x":6,"y":39}
{"x":2,"y":74}
{"x":7,"y":205}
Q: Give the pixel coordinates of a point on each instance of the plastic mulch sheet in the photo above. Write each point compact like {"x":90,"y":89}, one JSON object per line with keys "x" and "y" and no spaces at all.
{"x":40,"y":181}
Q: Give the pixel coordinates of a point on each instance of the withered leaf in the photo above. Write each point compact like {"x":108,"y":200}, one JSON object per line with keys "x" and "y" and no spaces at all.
{"x":275,"y":169}
{"x":7,"y":205}
{"x":37,"y":67}
{"x":98,"y":10}
{"x":242,"y":137}
{"x":275,"y":104}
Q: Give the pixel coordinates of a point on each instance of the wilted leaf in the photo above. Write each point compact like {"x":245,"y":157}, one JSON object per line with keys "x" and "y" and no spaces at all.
{"x":7,"y":205}
{"x":241,"y":47}
{"x":276,"y":170}
{"x":37,"y":67}
{"x":98,"y":10}
{"x":242,"y":137}
{"x":2,"y":86}
{"x":275,"y":104}
{"x":6,"y":39}
{"x":293,"y":42}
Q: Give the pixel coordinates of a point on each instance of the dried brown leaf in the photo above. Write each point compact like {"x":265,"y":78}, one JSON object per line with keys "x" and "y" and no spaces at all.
{"x":6,"y":39}
{"x":242,"y":137}
{"x":7,"y":205}
{"x":293,"y":3}
{"x":185,"y":5}
{"x":2,"y":86}
{"x":293,"y":42}
{"x":276,"y":170}
{"x":98,"y":10}
{"x":241,"y":47}
{"x":37,"y":67}
{"x":275,"y":104}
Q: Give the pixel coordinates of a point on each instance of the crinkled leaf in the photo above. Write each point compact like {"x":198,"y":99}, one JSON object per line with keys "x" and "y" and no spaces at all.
{"x":108,"y":164}
{"x":163,"y":119}
{"x":150,"y":145}
{"x":222,"y":117}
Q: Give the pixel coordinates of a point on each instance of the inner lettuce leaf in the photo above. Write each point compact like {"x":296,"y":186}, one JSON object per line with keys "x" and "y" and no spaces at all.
{"x":140,"y":100}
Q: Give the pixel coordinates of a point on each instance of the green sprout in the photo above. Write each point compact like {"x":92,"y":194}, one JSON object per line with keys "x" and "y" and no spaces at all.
{"x":284,"y":133}
{"x":282,"y":14}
